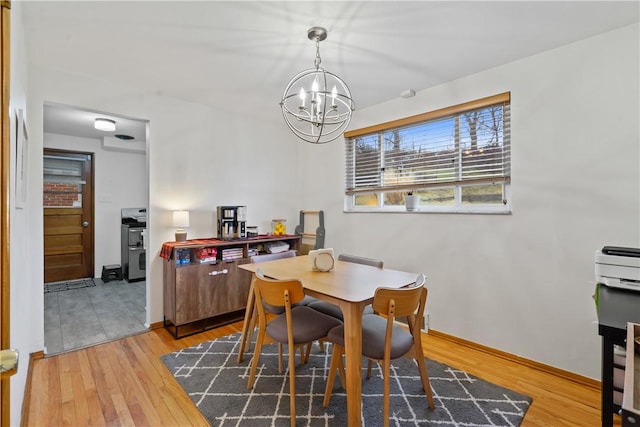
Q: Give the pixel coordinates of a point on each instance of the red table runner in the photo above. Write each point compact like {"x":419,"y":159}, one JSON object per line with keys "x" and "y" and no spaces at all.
{"x":167,"y":247}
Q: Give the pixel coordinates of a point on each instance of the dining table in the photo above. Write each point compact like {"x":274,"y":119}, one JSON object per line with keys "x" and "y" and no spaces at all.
{"x":351,"y":286}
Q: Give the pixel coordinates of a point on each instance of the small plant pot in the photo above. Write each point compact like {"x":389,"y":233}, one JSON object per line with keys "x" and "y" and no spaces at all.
{"x":411,"y":202}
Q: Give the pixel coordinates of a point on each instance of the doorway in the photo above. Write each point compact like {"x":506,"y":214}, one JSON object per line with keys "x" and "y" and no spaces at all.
{"x":93,"y":307}
{"x":67,"y":201}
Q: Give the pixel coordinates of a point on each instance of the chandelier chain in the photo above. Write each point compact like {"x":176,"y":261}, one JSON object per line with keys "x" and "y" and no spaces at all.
{"x":318,"y":60}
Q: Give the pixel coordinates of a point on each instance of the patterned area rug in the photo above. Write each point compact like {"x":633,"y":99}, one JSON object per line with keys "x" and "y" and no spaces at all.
{"x":65,"y":286}
{"x":217,"y":384}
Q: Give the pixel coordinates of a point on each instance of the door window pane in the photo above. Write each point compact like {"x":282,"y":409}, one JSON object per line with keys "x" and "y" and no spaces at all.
{"x":63,"y":182}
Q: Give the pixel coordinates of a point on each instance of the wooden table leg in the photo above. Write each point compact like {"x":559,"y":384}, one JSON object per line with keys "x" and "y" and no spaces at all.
{"x":352,"y":313}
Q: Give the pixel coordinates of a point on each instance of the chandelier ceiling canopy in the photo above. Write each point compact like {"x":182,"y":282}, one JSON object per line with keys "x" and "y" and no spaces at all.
{"x":317,"y":104}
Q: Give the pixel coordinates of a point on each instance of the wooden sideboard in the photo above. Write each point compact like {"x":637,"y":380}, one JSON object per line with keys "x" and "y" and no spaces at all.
{"x":203,"y":286}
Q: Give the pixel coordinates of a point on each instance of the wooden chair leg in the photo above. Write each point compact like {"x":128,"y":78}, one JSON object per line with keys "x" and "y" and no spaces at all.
{"x":307,"y":352}
{"x":279,"y":358}
{"x":256,"y":358}
{"x":369,"y":363}
{"x":252,"y":326}
{"x":424,"y":376}
{"x":292,"y":383}
{"x":341,"y":371}
{"x":385,"y":397}
{"x":248,"y":317}
{"x":336,"y":359}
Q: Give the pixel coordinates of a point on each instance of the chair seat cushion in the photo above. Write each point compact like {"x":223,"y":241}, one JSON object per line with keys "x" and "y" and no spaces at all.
{"x":308,"y":325}
{"x":279,"y":309}
{"x":373,"y":332}
{"x":327,"y":308}
{"x":307,"y":300}
{"x":333,"y":310}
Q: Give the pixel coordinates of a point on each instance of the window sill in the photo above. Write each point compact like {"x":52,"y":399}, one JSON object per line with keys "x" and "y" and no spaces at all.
{"x":502,"y":210}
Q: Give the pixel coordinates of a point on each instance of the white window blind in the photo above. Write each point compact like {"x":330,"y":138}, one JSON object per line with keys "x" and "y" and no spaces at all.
{"x":58,"y":169}
{"x":461,"y":145}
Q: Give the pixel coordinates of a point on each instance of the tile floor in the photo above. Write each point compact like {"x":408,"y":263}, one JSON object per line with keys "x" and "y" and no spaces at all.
{"x":83,"y":317}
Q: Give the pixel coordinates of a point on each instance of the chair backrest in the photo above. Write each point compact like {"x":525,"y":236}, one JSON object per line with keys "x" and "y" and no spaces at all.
{"x":406,"y":302}
{"x":361,"y":260}
{"x":269,"y":257}
{"x":277,"y":292}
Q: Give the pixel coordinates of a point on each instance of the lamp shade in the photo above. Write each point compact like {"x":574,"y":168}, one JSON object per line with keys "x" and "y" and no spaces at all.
{"x":180,"y":218}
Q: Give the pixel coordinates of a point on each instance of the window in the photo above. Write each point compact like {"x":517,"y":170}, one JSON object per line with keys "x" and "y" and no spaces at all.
{"x":63,"y":181}
{"x":456,"y":159}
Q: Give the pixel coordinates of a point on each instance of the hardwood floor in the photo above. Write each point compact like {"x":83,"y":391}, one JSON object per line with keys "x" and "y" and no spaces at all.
{"x":125,"y":383}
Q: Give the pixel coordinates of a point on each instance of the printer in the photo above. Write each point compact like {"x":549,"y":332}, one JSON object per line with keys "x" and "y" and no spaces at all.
{"x":618,"y":267}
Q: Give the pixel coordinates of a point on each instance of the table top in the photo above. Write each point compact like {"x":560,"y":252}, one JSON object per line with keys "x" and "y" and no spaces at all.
{"x":348,"y":281}
{"x":617,"y":307}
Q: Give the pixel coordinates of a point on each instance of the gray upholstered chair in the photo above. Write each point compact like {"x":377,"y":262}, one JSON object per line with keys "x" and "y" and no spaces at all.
{"x":269,"y":257}
{"x":251,"y":312}
{"x":296,"y":327}
{"x":334,"y":310}
{"x":384,"y":340}
{"x":361,"y":260}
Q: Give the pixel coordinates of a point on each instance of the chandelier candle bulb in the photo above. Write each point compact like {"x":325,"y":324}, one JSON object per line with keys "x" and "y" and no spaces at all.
{"x":303,"y":96}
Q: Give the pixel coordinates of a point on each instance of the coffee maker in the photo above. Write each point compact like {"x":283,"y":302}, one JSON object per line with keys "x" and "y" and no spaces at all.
{"x":232,"y":222}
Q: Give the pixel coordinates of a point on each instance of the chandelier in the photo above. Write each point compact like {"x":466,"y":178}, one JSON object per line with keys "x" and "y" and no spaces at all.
{"x":317,"y":104}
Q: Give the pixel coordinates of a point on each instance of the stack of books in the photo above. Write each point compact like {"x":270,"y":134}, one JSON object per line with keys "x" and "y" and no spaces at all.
{"x":205,"y":254}
{"x":231,"y":254}
{"x":183,"y":256}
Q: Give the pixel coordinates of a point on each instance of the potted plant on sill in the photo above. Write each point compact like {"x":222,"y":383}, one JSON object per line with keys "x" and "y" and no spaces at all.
{"x":411,"y":201}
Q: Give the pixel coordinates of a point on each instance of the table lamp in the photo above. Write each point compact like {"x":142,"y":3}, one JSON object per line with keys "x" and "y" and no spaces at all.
{"x":180,"y":220}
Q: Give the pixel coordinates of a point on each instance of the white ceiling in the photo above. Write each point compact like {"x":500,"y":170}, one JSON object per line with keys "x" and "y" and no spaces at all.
{"x":75,"y":121}
{"x":235,"y":55}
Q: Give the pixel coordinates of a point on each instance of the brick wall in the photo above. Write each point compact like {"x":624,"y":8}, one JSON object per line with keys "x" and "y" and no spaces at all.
{"x":57,"y":195}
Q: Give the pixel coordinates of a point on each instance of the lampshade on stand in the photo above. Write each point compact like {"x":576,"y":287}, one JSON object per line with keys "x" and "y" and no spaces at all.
{"x":180,"y":220}
{"x":317,"y":104}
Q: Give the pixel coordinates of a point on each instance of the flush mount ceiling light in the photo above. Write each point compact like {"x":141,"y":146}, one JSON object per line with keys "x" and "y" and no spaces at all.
{"x":106,"y":125}
{"x":317,"y":104}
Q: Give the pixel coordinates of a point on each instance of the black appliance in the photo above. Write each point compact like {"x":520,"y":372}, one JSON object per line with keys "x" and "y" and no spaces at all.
{"x":232,"y":222}
{"x":132,"y":251}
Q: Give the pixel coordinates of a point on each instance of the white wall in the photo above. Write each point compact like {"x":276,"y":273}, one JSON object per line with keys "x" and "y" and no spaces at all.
{"x":521,"y":283}
{"x":25,"y":324}
{"x":120,"y":181}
